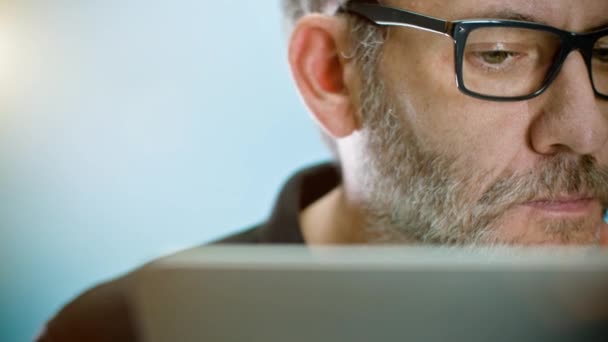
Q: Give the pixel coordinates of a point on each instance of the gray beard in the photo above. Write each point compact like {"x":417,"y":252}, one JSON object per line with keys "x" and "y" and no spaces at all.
{"x":421,"y":196}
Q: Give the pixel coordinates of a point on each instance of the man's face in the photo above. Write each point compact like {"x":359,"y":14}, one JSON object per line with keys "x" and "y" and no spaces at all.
{"x":441,"y":166}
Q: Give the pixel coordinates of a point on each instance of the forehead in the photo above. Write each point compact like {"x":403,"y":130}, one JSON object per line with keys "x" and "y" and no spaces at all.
{"x":580,"y":15}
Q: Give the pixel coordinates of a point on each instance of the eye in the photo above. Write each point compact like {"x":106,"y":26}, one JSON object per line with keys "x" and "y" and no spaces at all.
{"x":601,"y":54}
{"x":496,"y":57}
{"x":502,"y":57}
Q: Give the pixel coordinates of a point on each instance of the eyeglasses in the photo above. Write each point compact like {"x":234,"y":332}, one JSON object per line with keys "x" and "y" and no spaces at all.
{"x":502,"y":60}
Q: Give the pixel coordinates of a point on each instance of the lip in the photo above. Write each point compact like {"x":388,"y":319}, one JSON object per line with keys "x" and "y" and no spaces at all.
{"x":564,"y":205}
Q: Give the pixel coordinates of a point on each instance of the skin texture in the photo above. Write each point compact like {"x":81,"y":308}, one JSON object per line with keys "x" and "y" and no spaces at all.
{"x":481,"y":142}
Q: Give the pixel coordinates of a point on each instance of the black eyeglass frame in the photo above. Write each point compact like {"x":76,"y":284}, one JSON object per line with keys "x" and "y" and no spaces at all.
{"x":459,"y":31}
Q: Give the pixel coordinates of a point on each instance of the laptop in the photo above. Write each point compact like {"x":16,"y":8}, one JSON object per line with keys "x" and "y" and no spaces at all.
{"x":323,"y":294}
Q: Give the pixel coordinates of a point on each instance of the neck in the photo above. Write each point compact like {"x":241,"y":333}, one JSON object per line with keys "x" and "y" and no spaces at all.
{"x":333,"y":220}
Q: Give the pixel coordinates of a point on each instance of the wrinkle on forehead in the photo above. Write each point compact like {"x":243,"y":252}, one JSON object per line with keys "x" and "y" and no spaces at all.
{"x":578,"y":16}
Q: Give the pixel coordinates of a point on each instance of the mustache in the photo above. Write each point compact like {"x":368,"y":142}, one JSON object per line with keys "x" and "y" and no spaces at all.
{"x":552,"y":179}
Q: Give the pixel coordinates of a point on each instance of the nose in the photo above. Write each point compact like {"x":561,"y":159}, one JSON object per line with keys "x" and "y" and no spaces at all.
{"x":570,"y":117}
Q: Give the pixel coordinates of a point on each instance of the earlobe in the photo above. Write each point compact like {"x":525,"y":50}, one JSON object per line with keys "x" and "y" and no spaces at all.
{"x":319,"y":71}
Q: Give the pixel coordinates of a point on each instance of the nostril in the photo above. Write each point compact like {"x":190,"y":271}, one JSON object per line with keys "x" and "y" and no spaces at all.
{"x":565,"y":130}
{"x":558,"y":149}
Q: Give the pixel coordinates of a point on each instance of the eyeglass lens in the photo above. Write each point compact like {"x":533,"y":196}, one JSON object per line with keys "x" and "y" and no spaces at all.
{"x":513,"y":62}
{"x":599,"y":65}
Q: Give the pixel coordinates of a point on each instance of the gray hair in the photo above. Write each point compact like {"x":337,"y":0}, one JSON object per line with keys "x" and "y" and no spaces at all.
{"x":293,"y":10}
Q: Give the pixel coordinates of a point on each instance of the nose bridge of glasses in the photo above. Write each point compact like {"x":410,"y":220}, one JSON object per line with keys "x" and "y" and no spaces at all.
{"x":571,"y":58}
{"x":583,"y":43}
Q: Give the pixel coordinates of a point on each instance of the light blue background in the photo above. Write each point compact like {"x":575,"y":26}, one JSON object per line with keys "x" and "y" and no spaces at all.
{"x":130,"y":129}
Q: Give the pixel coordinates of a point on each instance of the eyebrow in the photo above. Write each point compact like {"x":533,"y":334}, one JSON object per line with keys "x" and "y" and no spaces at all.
{"x":597,"y":28}
{"x":509,"y":14}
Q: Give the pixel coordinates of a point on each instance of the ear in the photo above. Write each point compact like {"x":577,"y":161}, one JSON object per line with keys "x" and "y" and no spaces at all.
{"x":321,"y":72}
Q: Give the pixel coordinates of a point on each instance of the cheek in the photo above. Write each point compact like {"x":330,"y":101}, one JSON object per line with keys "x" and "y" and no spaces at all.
{"x":488,"y":136}
{"x":484,"y":135}
{"x":602,"y":159}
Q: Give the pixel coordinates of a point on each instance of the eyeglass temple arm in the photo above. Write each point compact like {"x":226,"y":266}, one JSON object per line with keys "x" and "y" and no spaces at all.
{"x":383,"y":15}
